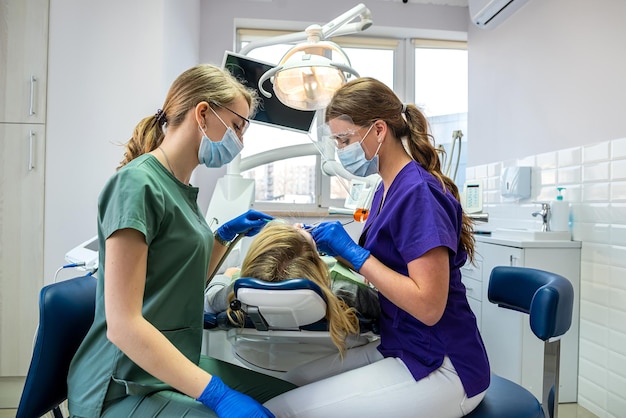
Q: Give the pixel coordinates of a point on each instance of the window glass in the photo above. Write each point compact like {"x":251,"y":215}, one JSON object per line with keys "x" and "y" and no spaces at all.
{"x":367,"y":62}
{"x":285,"y":181}
{"x":441,"y":80}
{"x":372,"y":62}
{"x":441,"y":92}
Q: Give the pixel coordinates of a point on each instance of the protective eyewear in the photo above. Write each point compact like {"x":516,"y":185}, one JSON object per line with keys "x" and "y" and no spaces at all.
{"x":245,"y":121}
{"x":346,"y":131}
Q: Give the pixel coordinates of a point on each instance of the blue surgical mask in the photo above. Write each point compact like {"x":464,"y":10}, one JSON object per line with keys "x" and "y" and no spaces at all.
{"x":353,"y":158}
{"x":216,"y":154}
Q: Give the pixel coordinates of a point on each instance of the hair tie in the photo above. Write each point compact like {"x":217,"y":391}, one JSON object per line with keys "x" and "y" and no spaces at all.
{"x":160,"y":116}
{"x":235,"y":305}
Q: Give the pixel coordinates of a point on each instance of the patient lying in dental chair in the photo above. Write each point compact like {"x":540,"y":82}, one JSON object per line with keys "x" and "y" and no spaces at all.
{"x":282,"y":251}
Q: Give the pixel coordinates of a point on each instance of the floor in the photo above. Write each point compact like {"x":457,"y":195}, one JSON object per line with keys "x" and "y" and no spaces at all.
{"x":566,"y":410}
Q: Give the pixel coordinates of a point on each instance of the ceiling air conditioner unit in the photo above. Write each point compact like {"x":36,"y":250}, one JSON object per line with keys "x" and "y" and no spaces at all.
{"x":487,"y":14}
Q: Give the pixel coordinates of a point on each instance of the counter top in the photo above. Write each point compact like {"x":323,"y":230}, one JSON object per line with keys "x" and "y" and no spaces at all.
{"x":519,"y":243}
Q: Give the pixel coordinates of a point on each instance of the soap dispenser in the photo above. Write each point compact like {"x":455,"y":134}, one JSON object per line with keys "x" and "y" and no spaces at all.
{"x":559,"y":212}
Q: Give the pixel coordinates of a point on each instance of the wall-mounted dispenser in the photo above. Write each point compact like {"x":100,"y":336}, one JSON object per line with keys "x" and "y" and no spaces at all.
{"x":515,"y":182}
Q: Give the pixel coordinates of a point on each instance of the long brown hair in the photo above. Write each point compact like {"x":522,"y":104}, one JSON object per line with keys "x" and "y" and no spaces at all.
{"x":280,"y":252}
{"x":204,"y":82}
{"x":366,"y":100}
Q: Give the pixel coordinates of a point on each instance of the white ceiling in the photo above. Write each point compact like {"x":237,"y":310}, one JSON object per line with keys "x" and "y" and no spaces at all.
{"x":462,"y":3}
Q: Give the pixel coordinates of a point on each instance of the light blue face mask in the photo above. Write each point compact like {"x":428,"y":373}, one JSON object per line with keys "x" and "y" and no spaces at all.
{"x":353,"y":158}
{"x":216,"y":154}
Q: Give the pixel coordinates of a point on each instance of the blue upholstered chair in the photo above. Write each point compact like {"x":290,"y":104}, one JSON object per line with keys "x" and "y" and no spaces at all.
{"x":548,"y":300}
{"x":66,"y":311}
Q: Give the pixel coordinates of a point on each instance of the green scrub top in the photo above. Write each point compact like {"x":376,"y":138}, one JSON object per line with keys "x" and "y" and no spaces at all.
{"x":144,"y":196}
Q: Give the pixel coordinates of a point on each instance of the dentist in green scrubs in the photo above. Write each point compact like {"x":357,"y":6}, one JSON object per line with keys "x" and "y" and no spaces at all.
{"x":141,"y":357}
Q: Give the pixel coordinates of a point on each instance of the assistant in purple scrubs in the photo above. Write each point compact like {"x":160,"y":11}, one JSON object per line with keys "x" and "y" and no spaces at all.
{"x":430,"y":360}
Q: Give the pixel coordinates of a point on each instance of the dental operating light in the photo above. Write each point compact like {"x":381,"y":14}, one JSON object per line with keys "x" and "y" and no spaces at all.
{"x":308,"y":74}
{"x":305,"y":77}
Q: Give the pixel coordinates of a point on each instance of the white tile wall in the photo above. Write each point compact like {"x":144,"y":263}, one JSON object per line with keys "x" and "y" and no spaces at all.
{"x":595,"y":180}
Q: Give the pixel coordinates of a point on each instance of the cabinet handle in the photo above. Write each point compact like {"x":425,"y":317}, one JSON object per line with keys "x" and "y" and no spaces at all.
{"x":512,"y":260}
{"x":31,"y":144}
{"x":31,"y":110}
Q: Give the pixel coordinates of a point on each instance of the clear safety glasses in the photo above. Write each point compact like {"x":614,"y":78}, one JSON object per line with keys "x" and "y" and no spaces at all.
{"x":241,"y":128}
{"x":341,"y":132}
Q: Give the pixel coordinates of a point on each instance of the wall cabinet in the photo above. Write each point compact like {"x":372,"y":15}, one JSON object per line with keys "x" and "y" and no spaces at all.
{"x":21,"y":242}
{"x":514,"y":351}
{"x":23,"y":60}
{"x":23,"y":75}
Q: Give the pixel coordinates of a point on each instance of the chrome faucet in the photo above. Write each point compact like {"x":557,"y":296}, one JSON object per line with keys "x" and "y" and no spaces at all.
{"x":479,"y":217}
{"x":545,"y":216}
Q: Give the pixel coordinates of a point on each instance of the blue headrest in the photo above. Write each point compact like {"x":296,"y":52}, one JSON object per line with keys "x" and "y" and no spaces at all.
{"x":547,"y":297}
{"x":289,"y":304}
{"x":290,"y":284}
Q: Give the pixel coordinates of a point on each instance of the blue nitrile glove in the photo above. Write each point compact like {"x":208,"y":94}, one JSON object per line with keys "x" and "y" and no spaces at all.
{"x":228,"y":403}
{"x":333,"y":240}
{"x":250,"y":223}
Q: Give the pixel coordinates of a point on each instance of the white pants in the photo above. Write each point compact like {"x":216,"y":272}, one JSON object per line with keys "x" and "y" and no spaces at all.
{"x":365,"y":384}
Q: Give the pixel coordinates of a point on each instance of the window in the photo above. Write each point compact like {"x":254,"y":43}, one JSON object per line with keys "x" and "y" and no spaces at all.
{"x":441,"y":92}
{"x":370,"y":58}
{"x":288,"y":181}
{"x":297,"y":181}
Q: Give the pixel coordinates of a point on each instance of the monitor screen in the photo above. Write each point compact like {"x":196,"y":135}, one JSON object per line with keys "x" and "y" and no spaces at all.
{"x":271,"y":111}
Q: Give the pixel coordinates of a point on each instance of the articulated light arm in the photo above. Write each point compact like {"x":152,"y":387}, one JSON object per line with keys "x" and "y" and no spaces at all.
{"x":338,"y":26}
{"x":284,"y":153}
{"x":276,"y":40}
{"x":337,"y":23}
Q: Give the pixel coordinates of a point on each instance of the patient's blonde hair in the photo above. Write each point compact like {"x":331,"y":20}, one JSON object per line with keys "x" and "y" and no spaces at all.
{"x":280,"y":252}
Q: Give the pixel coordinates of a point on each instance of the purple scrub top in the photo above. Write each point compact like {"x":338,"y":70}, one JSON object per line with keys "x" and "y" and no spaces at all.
{"x":416,"y":217}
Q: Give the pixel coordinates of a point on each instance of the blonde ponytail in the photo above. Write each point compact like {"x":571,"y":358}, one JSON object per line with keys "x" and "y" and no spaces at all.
{"x":204,"y":82}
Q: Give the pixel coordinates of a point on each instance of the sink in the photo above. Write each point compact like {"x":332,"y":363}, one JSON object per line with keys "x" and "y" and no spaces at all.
{"x":530,"y":234}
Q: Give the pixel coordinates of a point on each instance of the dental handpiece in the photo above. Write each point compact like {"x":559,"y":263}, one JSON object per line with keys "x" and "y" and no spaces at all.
{"x":310,"y":227}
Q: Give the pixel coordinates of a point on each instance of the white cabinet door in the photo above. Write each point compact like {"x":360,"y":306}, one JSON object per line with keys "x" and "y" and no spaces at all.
{"x":23,"y":60}
{"x":21,"y":242}
{"x":472,"y":277}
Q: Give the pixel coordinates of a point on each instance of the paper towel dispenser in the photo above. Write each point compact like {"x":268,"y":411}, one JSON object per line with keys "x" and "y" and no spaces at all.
{"x":515,"y":182}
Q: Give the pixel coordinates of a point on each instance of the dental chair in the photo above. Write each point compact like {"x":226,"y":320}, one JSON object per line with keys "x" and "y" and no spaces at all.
{"x":548,"y":300}
{"x":285,"y":325}
{"x":66,"y":311}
